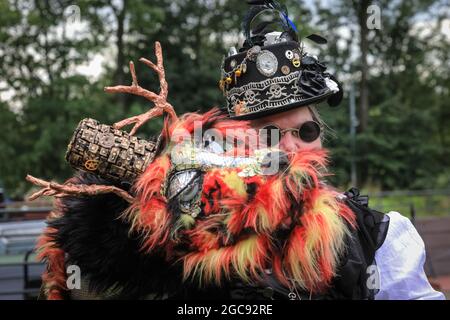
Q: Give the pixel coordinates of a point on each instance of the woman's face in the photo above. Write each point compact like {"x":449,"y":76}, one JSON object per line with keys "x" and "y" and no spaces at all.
{"x":290,"y":119}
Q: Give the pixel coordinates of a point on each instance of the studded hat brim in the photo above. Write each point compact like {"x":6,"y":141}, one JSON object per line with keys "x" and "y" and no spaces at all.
{"x":287,"y":107}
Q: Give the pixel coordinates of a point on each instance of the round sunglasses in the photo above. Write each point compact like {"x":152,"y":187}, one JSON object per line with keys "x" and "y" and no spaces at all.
{"x":271,"y":134}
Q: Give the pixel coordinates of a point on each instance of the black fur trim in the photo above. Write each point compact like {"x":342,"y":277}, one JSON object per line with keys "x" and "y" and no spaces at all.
{"x":97,"y":241}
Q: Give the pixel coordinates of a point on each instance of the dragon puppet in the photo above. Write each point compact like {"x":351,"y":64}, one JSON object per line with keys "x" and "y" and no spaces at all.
{"x":204,"y":219}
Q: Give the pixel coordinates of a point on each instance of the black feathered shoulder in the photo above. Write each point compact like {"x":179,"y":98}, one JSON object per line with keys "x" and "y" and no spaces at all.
{"x":95,"y":239}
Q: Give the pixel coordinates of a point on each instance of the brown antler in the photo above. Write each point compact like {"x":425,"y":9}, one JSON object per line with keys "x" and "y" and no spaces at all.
{"x":62,"y":190}
{"x":159,"y":100}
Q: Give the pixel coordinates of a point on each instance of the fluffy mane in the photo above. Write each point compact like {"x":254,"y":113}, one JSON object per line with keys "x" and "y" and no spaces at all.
{"x":290,"y":222}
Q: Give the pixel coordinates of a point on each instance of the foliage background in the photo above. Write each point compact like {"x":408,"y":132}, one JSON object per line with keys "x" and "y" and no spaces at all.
{"x":53,"y":70}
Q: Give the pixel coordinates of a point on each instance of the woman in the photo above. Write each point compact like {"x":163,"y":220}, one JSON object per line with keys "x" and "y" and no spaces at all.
{"x":207,"y":224}
{"x":400,"y":258}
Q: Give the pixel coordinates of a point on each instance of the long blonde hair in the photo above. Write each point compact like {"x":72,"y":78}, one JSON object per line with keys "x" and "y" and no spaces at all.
{"x":326,"y":130}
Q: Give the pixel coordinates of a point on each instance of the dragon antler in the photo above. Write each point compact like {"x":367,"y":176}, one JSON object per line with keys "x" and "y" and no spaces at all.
{"x":161,"y":106}
{"x":63,"y":190}
{"x":159,"y":100}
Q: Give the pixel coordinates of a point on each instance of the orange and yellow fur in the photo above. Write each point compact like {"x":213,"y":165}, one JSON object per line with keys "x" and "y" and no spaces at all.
{"x":236,"y":236}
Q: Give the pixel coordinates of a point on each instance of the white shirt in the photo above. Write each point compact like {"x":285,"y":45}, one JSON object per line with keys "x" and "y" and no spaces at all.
{"x":400,"y":262}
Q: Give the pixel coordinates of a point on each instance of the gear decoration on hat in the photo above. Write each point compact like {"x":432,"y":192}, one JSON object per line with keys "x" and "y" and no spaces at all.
{"x":272,"y":73}
{"x":267,"y":63}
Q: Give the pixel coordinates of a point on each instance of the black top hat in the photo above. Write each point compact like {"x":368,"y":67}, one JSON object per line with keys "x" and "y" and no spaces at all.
{"x":272,"y":73}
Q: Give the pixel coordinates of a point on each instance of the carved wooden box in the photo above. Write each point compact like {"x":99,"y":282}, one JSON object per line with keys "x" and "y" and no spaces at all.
{"x":109,"y":153}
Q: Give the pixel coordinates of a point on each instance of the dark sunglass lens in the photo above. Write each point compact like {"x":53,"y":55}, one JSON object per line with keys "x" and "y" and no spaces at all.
{"x":270,"y":135}
{"x":309,"y":131}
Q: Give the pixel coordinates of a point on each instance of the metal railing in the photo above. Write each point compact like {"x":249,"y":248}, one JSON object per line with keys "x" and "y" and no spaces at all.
{"x":415,"y":203}
{"x":19,"y":230}
{"x":30,"y":287}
